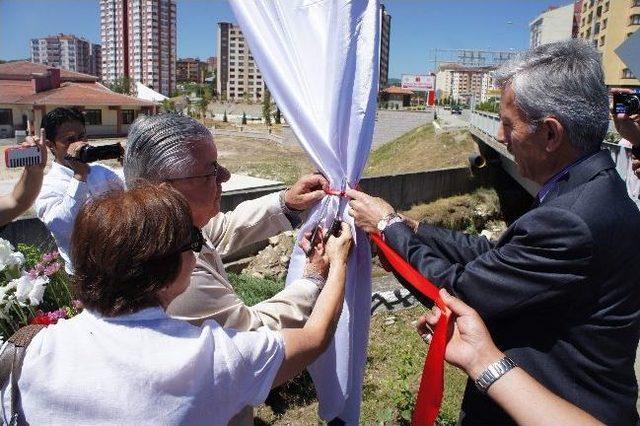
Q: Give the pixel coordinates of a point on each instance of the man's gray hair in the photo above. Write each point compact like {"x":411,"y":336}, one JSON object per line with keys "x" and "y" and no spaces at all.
{"x":563,"y":80}
{"x":160,"y":147}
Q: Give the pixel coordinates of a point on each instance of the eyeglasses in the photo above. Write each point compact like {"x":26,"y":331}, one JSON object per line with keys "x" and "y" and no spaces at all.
{"x":214,"y":173}
{"x":195,"y":243}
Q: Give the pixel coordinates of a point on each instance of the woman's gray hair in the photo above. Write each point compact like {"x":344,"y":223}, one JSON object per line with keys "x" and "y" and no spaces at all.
{"x":563,"y":80}
{"x":160,"y":147}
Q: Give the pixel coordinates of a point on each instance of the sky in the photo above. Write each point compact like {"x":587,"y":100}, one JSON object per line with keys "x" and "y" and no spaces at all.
{"x":417,"y":26}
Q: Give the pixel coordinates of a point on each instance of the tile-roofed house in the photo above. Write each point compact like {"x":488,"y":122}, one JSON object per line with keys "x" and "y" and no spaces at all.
{"x":28,"y":91}
{"x":396,"y":97}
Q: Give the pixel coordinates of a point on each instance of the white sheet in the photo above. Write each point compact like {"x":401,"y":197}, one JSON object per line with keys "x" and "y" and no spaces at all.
{"x":319,"y":59}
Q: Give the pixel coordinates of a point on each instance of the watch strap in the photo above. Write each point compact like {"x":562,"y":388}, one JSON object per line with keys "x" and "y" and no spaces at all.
{"x":493,"y":372}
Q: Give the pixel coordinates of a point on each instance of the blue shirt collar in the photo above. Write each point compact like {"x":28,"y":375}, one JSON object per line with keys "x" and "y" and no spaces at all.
{"x":551,"y":183}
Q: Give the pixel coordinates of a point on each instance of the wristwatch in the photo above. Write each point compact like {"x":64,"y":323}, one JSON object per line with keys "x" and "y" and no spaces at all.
{"x":389,"y":219}
{"x":493,"y":372}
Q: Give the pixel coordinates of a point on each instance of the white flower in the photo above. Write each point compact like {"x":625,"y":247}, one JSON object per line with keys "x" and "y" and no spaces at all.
{"x":8,"y":257}
{"x":30,"y":288}
{"x":37,"y":290}
{"x":5,"y":289}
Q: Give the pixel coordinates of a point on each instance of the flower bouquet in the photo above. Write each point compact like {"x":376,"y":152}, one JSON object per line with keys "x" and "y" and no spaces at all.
{"x":33,"y":288}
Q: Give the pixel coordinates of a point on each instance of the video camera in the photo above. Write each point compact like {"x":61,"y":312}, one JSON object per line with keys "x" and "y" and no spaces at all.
{"x":626,"y":103}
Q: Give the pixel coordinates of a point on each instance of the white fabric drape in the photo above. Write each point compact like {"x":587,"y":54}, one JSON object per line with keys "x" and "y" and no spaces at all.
{"x":319,"y":59}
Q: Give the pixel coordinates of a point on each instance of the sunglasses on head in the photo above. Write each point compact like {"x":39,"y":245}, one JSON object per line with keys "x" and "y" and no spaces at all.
{"x":196,"y":241}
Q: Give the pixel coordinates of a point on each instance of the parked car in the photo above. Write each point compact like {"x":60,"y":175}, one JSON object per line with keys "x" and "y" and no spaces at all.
{"x":456,"y":110}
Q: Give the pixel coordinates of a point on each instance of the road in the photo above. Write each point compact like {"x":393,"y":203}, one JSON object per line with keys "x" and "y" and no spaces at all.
{"x":450,"y":121}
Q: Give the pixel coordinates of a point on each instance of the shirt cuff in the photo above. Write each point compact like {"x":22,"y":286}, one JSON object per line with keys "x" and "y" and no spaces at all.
{"x":76,"y":187}
{"x":294,"y":216}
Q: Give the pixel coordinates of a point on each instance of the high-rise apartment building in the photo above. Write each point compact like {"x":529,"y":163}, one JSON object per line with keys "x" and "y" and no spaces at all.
{"x":190,"y":70}
{"x":555,"y":24}
{"x":139,"y":42}
{"x":95,"y":64}
{"x":385,"y":39}
{"x":461,"y":83}
{"x":607,"y":24}
{"x":238,"y":77}
{"x":68,"y":52}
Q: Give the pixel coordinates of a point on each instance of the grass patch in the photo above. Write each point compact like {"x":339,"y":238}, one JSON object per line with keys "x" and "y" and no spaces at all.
{"x":263,"y":159}
{"x":468,"y":212}
{"x":254,"y":290}
{"x":421,"y":149}
{"x":394,"y":365}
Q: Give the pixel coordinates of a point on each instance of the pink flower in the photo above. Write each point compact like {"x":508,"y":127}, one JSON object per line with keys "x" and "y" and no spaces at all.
{"x":51,"y":269}
{"x":39,"y":268}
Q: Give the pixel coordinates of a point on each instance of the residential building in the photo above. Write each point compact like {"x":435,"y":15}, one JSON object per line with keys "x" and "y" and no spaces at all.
{"x":66,"y":51}
{"x":95,"y":64}
{"x":139,"y":42}
{"x":190,"y":70}
{"x":462,"y":84}
{"x":385,"y":39}
{"x":488,"y":88}
{"x":212,"y":64}
{"x":577,"y":12}
{"x":555,"y":24}
{"x":238,"y":77}
{"x":607,"y":24}
{"x":443,"y":82}
{"x":28,"y":91}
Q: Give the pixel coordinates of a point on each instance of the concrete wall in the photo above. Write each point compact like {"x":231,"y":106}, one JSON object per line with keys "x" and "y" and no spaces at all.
{"x":402,"y":191}
{"x":405,"y":190}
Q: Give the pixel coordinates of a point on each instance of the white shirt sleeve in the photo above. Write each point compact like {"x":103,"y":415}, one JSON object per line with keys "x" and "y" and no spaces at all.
{"x":251,"y":360}
{"x":58,"y":208}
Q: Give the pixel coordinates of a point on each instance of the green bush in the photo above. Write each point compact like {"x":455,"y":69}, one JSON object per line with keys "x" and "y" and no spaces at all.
{"x":254,"y":290}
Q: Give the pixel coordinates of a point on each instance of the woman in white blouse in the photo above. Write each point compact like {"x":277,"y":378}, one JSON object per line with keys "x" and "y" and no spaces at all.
{"x":124,"y":361}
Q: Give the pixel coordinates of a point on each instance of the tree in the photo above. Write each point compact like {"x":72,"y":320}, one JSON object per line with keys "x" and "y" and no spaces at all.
{"x":224,"y":117}
{"x":277,"y":116}
{"x":266,"y":108}
{"x":169,"y":105}
{"x":244,"y":117}
{"x":202,"y":107}
{"x":122,"y":85}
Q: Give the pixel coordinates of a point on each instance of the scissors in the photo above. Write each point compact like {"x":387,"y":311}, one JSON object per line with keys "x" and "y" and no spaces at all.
{"x":335,"y":227}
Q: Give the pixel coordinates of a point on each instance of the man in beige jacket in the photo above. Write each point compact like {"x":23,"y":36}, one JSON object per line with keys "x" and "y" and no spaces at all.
{"x":180,"y":151}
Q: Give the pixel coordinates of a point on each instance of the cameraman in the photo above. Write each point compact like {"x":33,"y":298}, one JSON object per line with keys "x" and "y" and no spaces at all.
{"x":70,"y":182}
{"x":628,"y":126}
{"x":26,"y":190}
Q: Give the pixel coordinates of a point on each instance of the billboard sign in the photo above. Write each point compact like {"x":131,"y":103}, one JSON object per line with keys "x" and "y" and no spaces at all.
{"x":418,"y":83}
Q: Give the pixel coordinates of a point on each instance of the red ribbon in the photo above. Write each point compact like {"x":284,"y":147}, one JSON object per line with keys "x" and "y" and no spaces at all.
{"x":432,"y":387}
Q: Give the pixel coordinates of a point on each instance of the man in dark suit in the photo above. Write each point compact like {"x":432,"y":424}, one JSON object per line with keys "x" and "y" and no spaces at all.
{"x":560,"y":291}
